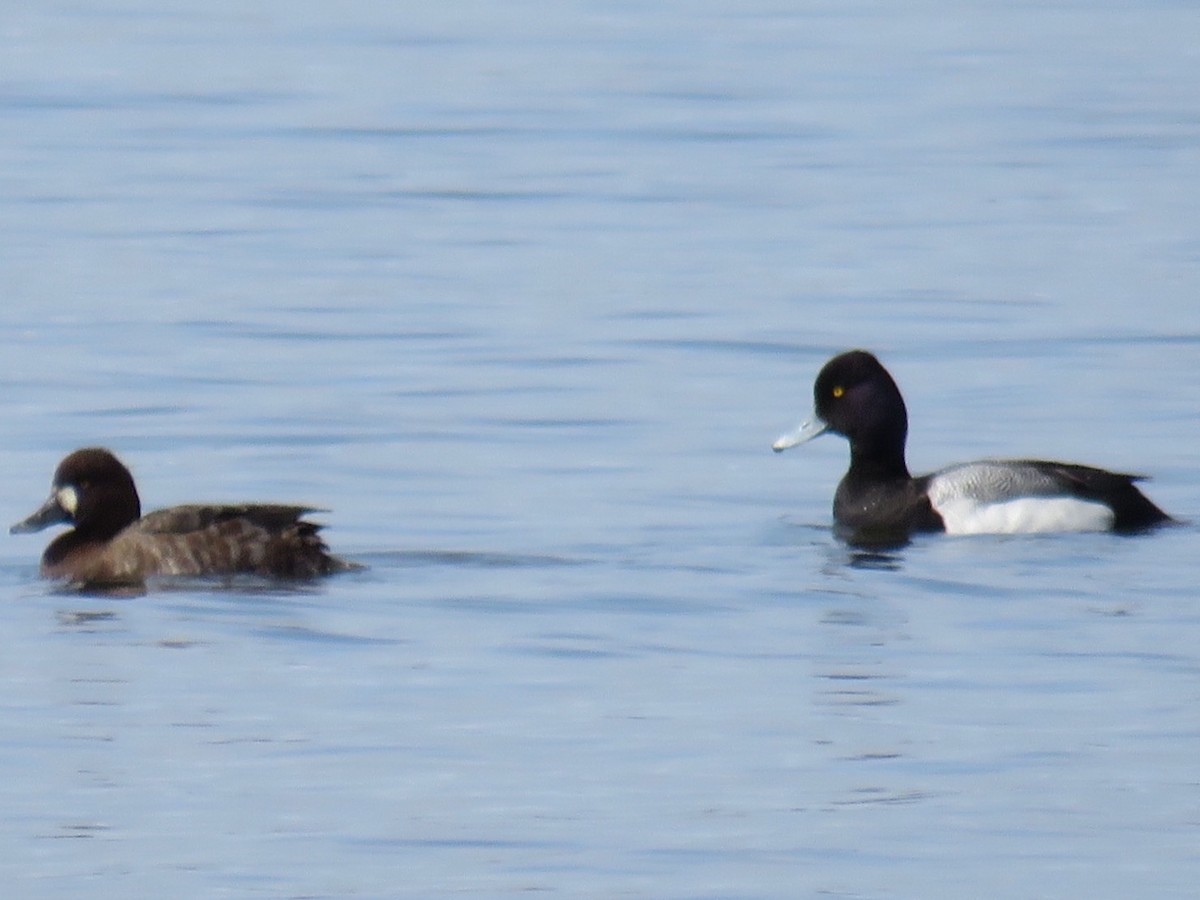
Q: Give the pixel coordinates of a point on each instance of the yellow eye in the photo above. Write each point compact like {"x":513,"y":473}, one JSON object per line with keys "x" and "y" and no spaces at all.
{"x":838,"y":391}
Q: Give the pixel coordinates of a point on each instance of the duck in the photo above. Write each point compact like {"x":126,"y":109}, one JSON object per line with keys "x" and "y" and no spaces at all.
{"x":857,"y":398}
{"x":112,"y":544}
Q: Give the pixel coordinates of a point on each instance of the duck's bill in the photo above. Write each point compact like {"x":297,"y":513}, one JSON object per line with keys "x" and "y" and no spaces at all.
{"x":49,"y":513}
{"x":814,"y":427}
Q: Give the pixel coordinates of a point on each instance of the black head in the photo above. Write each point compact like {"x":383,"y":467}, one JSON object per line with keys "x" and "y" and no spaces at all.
{"x":92,"y":490}
{"x":856,"y":397}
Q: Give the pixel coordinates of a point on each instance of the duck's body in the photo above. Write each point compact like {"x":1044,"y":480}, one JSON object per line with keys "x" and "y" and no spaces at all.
{"x":857,"y":398}
{"x":113,"y":544}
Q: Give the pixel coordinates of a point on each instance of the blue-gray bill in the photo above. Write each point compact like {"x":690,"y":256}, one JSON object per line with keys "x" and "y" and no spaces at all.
{"x":814,"y":427}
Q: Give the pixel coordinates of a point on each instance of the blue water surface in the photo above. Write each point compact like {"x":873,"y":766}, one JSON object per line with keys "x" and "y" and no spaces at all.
{"x":521,"y":293}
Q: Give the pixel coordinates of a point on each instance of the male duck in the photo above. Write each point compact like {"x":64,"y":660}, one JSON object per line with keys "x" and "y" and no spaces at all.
{"x":113,"y":544}
{"x":857,"y":398}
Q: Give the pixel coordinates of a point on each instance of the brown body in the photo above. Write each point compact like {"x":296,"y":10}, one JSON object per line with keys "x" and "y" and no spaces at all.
{"x":113,"y":544}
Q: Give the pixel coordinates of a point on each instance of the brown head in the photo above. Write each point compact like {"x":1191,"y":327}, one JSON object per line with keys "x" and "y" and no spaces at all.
{"x":93,"y":491}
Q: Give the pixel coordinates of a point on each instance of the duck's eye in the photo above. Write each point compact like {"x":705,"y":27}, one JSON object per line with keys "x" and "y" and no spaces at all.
{"x":838,"y":391}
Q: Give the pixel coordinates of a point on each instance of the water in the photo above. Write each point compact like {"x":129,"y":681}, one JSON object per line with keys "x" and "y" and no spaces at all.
{"x":522,"y":293}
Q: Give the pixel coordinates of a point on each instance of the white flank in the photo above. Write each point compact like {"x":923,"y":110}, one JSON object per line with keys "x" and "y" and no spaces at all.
{"x":966,"y":515}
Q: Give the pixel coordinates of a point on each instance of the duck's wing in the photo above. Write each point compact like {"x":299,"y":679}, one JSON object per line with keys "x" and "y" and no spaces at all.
{"x":1132,"y":510}
{"x":226,"y":539}
{"x":197,"y":517}
{"x":992,"y":483}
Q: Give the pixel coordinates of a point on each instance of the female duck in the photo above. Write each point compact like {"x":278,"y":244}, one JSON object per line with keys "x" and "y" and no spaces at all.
{"x":857,"y":398}
{"x":112,"y":543}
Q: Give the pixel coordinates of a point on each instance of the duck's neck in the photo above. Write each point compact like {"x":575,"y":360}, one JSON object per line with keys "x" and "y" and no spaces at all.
{"x":62,"y":547}
{"x":880,"y":463}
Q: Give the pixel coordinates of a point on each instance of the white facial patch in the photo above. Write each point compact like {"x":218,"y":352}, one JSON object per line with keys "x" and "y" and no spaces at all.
{"x":67,"y":498}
